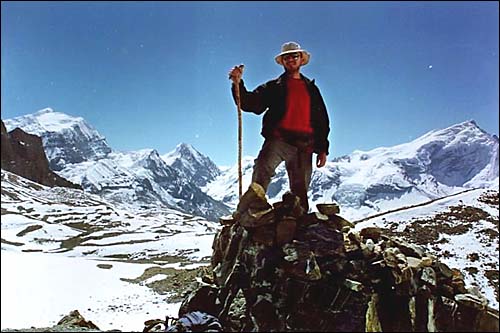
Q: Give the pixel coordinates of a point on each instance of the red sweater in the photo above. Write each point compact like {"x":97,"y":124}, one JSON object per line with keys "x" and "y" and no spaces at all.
{"x":298,"y":108}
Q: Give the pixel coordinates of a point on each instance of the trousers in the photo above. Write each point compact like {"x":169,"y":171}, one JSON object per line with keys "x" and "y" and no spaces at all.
{"x":298,"y":162}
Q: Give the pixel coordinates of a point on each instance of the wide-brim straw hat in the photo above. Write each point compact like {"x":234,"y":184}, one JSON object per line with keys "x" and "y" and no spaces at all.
{"x":292,"y":47}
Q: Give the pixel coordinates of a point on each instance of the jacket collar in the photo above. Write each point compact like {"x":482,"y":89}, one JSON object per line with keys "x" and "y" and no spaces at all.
{"x":282,"y":78}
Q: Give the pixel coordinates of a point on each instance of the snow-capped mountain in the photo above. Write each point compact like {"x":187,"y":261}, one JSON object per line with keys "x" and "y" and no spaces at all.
{"x":439,"y":163}
{"x":192,"y":165}
{"x":140,"y":179}
{"x":66,"y":139}
{"x":225,"y":186}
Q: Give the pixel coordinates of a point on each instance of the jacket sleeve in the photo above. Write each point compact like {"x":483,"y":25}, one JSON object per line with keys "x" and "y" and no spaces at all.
{"x":322,"y":126}
{"x":255,"y":101}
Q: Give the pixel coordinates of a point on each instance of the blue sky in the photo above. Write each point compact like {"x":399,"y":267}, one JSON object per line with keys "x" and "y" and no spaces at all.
{"x":154,"y":74}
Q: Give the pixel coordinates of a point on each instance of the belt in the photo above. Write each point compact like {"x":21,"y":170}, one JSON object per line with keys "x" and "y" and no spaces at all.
{"x":300,"y":140}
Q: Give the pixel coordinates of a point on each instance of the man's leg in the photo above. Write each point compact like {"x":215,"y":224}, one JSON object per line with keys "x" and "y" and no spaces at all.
{"x":299,"y":171}
{"x":273,"y":152}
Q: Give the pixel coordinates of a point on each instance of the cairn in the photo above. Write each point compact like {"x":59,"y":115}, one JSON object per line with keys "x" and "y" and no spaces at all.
{"x":278,"y":268}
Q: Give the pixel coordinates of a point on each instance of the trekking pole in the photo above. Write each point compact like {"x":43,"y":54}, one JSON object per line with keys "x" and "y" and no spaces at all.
{"x":240,"y":131}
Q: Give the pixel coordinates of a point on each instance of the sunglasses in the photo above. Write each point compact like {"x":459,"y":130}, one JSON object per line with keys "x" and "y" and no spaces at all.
{"x":291,"y":55}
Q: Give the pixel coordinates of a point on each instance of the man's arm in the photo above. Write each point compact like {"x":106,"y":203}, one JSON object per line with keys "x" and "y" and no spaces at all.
{"x":321,"y":125}
{"x":251,"y":101}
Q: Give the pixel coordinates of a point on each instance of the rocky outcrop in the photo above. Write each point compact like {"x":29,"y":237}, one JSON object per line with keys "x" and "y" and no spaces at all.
{"x":74,"y":318}
{"x":72,"y":322}
{"x":276,"y":268}
{"x":23,"y":154}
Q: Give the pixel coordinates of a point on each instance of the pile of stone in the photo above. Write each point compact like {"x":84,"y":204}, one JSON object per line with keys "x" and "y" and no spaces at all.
{"x":277,"y":268}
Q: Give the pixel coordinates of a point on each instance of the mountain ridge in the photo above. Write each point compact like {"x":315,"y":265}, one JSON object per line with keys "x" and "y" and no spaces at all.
{"x":140,"y":178}
{"x":438,"y":163}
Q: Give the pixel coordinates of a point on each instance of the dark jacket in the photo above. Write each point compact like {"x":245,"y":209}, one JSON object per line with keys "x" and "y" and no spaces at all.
{"x":270,"y":98}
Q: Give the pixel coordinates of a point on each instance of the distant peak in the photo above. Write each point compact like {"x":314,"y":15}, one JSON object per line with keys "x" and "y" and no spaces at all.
{"x":186,"y":148}
{"x":471,"y":122}
{"x":150,"y":153}
{"x":46,"y":110}
{"x":468,"y":124}
{"x":146,"y":151}
{"x":184,"y":145}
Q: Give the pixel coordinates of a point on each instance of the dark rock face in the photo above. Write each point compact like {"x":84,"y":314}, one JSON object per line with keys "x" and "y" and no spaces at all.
{"x":7,"y":152}
{"x":23,"y":154}
{"x":278,"y":269}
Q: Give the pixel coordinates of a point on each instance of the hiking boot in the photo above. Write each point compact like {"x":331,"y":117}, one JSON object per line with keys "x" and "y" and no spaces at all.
{"x":255,"y":198}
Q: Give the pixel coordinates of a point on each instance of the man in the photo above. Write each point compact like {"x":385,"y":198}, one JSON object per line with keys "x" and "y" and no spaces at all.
{"x":295,"y":124}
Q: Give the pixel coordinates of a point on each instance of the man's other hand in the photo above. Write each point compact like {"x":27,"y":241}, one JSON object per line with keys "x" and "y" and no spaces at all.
{"x":321,"y":160}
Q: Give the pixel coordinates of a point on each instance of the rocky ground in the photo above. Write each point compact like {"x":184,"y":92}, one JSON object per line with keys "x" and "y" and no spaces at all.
{"x":56,"y":328}
{"x":73,"y":322}
{"x":175,"y":285}
{"x":458,"y":220}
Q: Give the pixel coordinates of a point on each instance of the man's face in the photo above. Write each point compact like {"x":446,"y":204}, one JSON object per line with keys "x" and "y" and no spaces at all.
{"x":292,"y":61}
